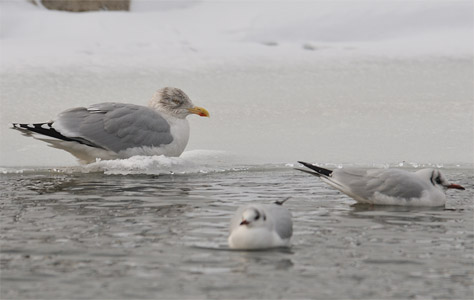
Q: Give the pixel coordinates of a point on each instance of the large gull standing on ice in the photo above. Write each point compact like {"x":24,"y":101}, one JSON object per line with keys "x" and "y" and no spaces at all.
{"x":118,"y":130}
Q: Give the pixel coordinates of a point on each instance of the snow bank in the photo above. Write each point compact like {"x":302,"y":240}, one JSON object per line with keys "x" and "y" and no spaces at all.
{"x":192,"y":33}
{"x":336,"y":81}
{"x":190,"y":162}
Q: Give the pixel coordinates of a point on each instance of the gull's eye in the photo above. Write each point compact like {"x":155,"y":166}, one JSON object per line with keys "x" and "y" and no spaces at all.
{"x":438,"y":180}
{"x":176,"y":101}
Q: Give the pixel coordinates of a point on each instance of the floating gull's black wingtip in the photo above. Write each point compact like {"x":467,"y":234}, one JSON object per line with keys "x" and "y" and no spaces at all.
{"x":318,"y":170}
{"x":308,"y":171}
{"x":280,"y":202}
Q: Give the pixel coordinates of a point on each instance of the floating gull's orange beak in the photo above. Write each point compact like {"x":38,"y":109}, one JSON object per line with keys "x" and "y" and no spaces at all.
{"x":199,"y":111}
{"x":455,"y":186}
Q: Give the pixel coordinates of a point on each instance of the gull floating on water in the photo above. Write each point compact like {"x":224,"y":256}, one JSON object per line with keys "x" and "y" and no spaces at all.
{"x":119,"y":130}
{"x":261,"y":227}
{"x":425,"y":187}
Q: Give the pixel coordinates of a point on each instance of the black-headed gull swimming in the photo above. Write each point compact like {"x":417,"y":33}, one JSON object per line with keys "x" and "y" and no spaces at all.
{"x":260,"y":226}
{"x":425,"y":187}
{"x":119,"y":130}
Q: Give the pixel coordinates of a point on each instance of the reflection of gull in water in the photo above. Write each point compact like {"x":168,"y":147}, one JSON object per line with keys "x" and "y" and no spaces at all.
{"x":119,"y":130}
{"x":261,"y":227}
{"x":387,"y":186}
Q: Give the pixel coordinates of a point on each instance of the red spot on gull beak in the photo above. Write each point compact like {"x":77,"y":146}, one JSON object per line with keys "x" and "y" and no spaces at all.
{"x":244,"y":222}
{"x":455,"y":186}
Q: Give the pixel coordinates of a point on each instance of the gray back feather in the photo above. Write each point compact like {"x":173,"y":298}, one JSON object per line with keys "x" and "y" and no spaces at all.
{"x":115,"y":126}
{"x":389,"y":182}
{"x":282,"y":220}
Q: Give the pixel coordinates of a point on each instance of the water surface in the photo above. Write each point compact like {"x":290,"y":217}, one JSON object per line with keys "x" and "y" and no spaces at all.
{"x":90,"y":235}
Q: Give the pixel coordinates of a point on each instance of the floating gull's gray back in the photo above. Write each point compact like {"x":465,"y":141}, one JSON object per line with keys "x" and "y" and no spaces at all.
{"x":283,"y":223}
{"x":389,"y":182}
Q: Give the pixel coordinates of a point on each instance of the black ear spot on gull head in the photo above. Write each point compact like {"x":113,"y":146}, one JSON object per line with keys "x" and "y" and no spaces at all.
{"x":432,"y":177}
{"x":258,"y":215}
{"x":436,"y":178}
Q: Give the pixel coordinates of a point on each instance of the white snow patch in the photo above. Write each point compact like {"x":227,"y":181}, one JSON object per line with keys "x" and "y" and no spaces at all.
{"x":192,"y":34}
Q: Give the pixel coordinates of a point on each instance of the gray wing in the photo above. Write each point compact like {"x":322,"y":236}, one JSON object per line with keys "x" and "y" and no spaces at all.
{"x":282,"y":220}
{"x":115,"y":126}
{"x":389,"y":182}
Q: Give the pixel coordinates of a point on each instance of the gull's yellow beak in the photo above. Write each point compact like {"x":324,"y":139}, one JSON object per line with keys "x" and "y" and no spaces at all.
{"x":199,"y":111}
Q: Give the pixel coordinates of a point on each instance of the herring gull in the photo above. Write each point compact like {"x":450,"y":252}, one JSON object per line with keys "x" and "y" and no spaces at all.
{"x":118,"y":130}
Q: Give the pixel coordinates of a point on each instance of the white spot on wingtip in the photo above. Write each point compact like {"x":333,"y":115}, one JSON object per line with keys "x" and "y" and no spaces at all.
{"x":45,"y":126}
{"x":30,"y":126}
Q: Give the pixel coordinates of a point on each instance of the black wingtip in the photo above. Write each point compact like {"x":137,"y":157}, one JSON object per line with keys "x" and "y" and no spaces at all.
{"x":48,"y":130}
{"x":21,"y":126}
{"x":40,"y":128}
{"x":280,"y":202}
{"x":318,"y":170}
{"x":308,"y":171}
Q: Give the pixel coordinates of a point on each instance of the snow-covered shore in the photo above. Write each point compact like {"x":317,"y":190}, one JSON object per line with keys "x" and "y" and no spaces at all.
{"x":192,"y":34}
{"x":332,"y":81}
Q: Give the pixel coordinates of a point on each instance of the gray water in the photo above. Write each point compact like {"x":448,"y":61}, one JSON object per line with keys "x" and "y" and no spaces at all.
{"x":70,"y":235}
